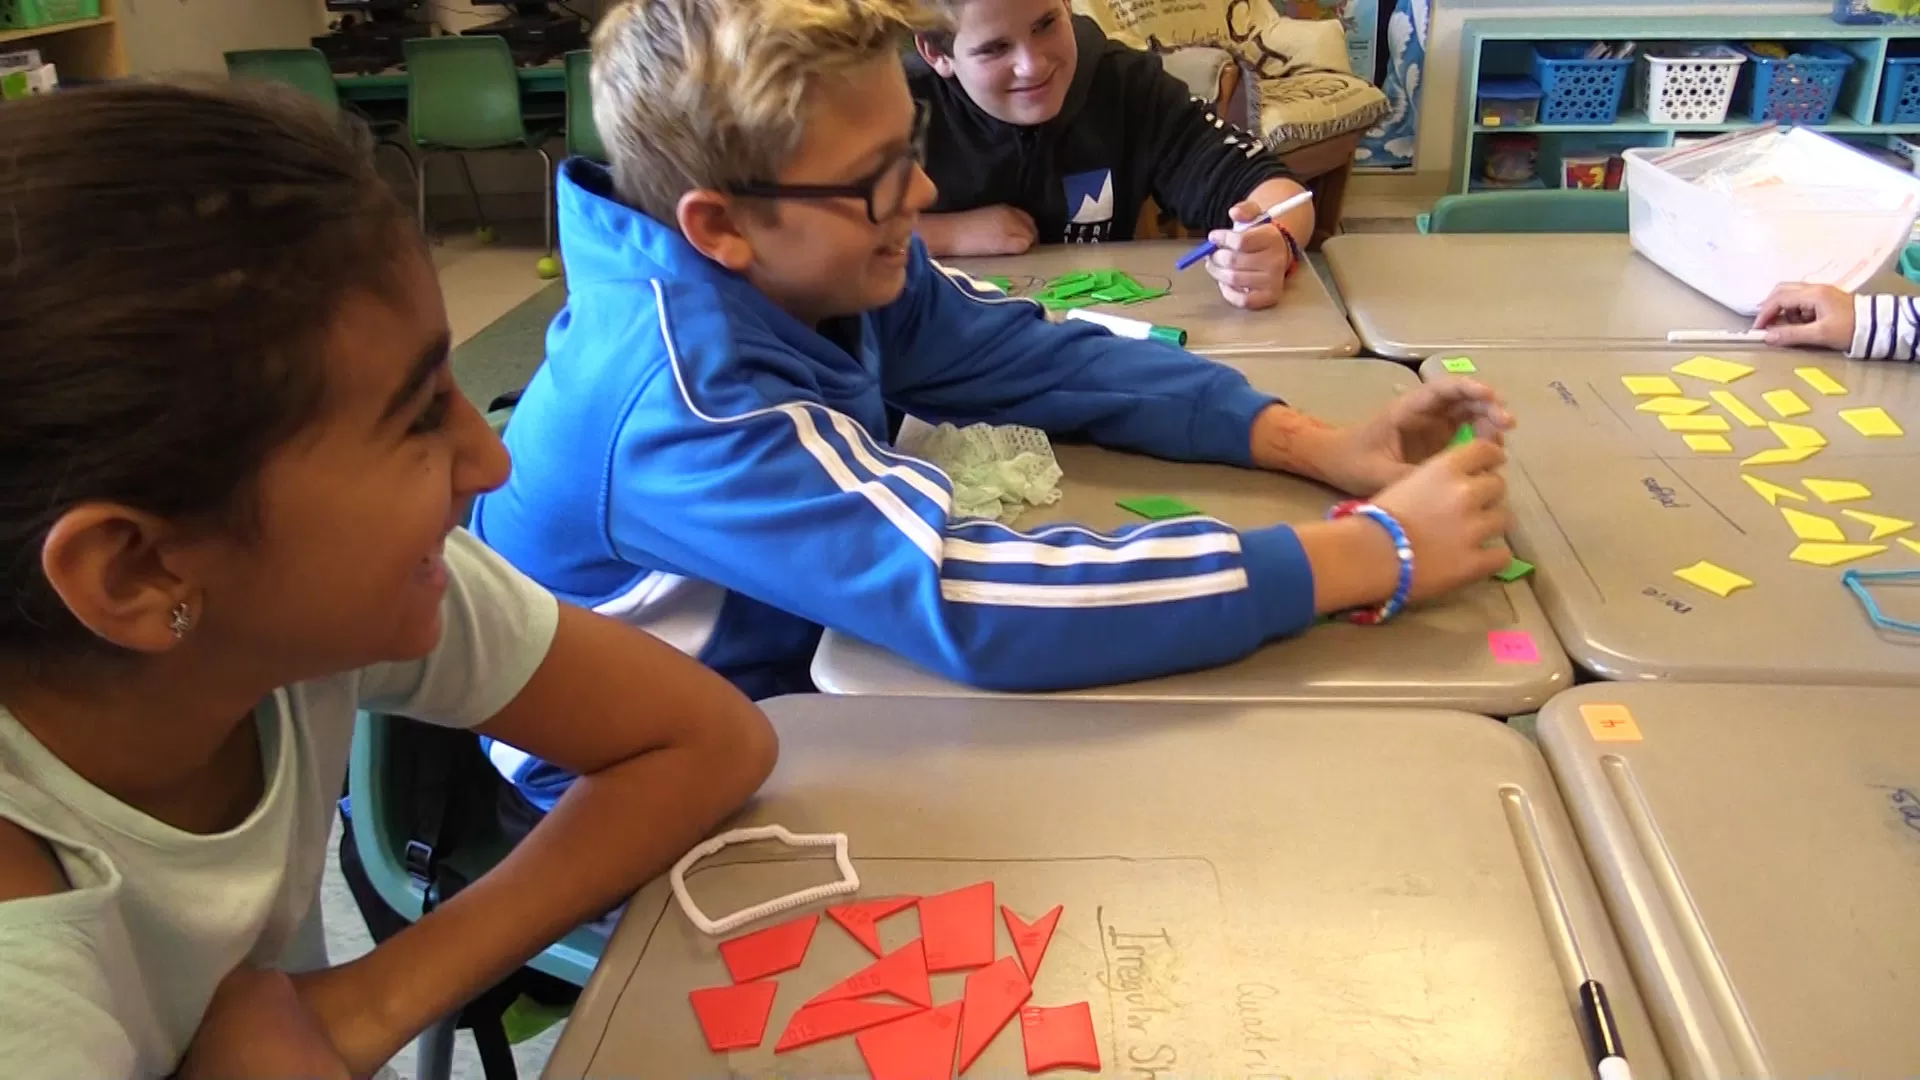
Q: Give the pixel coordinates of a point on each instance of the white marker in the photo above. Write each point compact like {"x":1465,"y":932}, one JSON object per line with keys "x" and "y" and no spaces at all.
{"x":1131,"y":328}
{"x":1715,"y":337}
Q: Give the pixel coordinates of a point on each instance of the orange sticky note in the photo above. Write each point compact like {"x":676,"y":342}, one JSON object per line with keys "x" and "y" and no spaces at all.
{"x":1610,"y":723}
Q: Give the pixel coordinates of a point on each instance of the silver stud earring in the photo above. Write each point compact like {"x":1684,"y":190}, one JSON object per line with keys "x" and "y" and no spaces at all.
{"x":181,"y":620}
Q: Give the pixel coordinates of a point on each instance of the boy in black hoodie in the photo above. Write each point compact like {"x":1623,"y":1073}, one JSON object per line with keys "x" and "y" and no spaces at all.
{"x":1043,"y":130}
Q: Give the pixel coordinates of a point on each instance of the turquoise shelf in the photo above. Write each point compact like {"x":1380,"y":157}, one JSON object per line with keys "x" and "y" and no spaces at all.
{"x":1501,"y":40}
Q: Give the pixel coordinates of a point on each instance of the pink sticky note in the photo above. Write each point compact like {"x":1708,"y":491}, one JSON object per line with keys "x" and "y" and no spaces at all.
{"x":1512,"y":647}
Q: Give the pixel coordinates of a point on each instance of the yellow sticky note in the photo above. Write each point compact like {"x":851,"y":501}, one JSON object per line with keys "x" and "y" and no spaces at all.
{"x":1711,"y":424}
{"x":1786,"y":403}
{"x":1717,"y":580}
{"x":1821,"y":382}
{"x":1798,"y":436}
{"x":1882,"y":526}
{"x":1672,"y":406}
{"x":1712,"y":369}
{"x":1610,"y":723}
{"x":1833,"y":491}
{"x":1650,"y":384}
{"x":1773,"y":493}
{"x":1737,"y":409}
{"x":1873,"y":422}
{"x":1709,"y":444}
{"x":1782,"y":456}
{"x":1812,"y":526}
{"x":1834,"y":554}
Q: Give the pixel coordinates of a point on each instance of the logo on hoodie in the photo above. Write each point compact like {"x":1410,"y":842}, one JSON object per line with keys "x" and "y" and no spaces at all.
{"x":1089,"y":206}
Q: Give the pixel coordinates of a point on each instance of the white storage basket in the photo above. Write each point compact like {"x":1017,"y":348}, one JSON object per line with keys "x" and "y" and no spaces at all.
{"x":1682,"y":84}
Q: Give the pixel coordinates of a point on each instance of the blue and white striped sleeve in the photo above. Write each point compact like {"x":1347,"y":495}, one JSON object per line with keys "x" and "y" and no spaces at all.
{"x":1885,"y":327}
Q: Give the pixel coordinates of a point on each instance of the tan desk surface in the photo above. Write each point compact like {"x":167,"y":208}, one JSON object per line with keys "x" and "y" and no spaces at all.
{"x":1436,"y":655}
{"x":1759,"y":848}
{"x":1608,"y":504}
{"x":1247,"y":891}
{"x":1305,"y":323}
{"x":1411,"y":295}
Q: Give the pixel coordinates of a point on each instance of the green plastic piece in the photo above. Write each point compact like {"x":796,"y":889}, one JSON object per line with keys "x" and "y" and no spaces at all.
{"x":1157,"y":507}
{"x":1459,"y":365}
{"x":1463,"y":436}
{"x":1516,"y":569}
{"x":527,"y":1019}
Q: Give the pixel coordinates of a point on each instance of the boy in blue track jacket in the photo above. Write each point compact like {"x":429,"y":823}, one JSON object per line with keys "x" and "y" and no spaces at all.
{"x":706,"y":452}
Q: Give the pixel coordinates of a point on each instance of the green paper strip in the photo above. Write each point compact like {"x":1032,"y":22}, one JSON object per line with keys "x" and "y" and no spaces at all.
{"x":1005,"y":283}
{"x":1516,"y":569}
{"x":1459,"y":365}
{"x":1157,"y":507}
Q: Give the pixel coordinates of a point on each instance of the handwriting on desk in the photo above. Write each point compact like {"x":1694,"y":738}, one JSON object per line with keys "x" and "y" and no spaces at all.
{"x":1140,"y":976}
{"x":1907,"y":805}
{"x":1668,"y":600}
{"x":1662,"y":494}
{"x":1252,"y":1004}
{"x":1566,"y":395}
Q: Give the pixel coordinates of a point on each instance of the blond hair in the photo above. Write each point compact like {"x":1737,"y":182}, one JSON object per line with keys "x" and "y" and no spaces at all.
{"x":709,"y":93}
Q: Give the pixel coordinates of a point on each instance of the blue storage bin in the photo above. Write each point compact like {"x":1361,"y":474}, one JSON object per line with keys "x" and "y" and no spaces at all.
{"x":1576,"y":90}
{"x":1900,"y":91}
{"x":1801,"y":89}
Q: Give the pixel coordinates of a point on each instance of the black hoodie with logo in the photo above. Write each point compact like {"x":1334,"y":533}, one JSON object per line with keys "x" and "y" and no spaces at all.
{"x":1127,"y":130}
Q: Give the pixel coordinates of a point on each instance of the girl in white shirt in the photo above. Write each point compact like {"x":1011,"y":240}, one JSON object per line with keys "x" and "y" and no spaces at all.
{"x":232,"y":466}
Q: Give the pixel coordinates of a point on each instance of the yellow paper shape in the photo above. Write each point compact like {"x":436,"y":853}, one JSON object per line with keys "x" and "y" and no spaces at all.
{"x":1798,"y":436}
{"x":1872,"y":422}
{"x":1672,"y":406}
{"x":1882,"y":526}
{"x":1712,"y":369}
{"x":1821,"y":382}
{"x":1773,"y":493}
{"x":1911,"y":545}
{"x":1786,"y":403}
{"x":1812,"y":526}
{"x":1833,"y":491}
{"x":1782,"y":456}
{"x":1709,"y":444}
{"x":1711,"y":424}
{"x":1650,"y":384}
{"x":1737,"y":409}
{"x":1715,"y":579}
{"x":1834,"y":554}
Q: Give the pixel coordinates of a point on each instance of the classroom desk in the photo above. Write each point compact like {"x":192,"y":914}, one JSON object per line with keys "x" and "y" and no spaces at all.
{"x":391,"y":85}
{"x":1305,"y":323}
{"x":1411,"y":295}
{"x":1608,"y":504}
{"x":1438,"y":654}
{"x":1759,"y":848}
{"x":1248,"y":891}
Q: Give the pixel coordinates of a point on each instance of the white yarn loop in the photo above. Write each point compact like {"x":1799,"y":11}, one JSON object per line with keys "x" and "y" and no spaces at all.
{"x":677,"y":879}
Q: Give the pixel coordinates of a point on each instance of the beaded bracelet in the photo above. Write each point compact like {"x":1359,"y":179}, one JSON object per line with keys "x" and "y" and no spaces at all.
{"x":1402,"y":549}
{"x":1296,"y":256}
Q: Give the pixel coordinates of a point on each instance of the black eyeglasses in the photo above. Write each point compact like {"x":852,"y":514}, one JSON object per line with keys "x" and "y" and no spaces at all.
{"x":884,"y":190}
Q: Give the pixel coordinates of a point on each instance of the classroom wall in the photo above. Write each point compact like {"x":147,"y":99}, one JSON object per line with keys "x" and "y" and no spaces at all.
{"x":167,"y":36}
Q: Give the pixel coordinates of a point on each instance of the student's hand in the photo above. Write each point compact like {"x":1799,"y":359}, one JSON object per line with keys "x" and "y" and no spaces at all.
{"x":1454,"y":509}
{"x":1415,"y":426}
{"x":257,"y":1025}
{"x":1816,"y":315}
{"x":989,"y":230}
{"x":1251,"y":267}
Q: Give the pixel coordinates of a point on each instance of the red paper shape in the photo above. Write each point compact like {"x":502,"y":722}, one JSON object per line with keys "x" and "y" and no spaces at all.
{"x":863,"y":920}
{"x":1059,"y":1038}
{"x":957,"y":927}
{"x":916,"y":1048}
{"x":734,"y":1017}
{"x":992,"y":996}
{"x":1030,"y":939}
{"x":770,"y":951}
{"x":817,"y":1023}
{"x":902,"y":973}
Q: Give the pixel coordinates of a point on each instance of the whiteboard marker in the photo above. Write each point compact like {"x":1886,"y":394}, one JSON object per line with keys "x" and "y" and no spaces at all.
{"x":1131,"y":328}
{"x":1715,"y":337}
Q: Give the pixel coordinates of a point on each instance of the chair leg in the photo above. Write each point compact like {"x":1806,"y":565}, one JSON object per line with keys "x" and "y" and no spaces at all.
{"x":413,"y":168}
{"x":479,"y":212}
{"x":436,"y":1051}
{"x":420,"y":192}
{"x":546,"y":159}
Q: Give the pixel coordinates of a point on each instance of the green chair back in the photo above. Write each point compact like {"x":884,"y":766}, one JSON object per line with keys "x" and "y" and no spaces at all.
{"x":1531,"y":212}
{"x":306,"y":70}
{"x":463,"y":93}
{"x":583,"y":138}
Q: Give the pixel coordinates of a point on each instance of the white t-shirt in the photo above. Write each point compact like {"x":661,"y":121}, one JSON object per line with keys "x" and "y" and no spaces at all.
{"x":110,"y":979}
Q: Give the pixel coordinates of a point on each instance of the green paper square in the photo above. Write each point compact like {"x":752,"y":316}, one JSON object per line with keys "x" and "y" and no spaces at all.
{"x":1463,"y":436}
{"x":1459,"y":365}
{"x":1156,"y":507}
{"x":1516,"y":569}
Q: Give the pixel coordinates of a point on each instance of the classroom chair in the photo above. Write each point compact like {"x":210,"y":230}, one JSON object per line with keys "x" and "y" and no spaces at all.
{"x":583,"y":138}
{"x":1550,"y":211}
{"x":463,"y":94}
{"x":307,"y":71}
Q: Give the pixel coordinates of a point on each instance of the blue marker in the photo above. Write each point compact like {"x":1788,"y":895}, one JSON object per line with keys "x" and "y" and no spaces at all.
{"x":1285,"y":205}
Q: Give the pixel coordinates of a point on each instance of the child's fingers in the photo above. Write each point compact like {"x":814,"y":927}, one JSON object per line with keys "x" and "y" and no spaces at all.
{"x":1263,"y":238}
{"x":1239,"y":275}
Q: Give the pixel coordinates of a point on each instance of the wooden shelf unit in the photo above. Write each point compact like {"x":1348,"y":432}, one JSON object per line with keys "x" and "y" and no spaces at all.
{"x":86,"y":51}
{"x":1495,"y":46}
